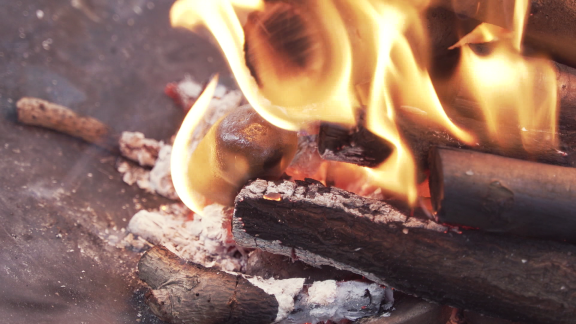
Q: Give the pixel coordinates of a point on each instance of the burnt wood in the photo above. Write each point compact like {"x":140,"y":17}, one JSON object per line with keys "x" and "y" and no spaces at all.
{"x":357,"y":145}
{"x":503,"y":195}
{"x":188,"y":293}
{"x":518,"y":279}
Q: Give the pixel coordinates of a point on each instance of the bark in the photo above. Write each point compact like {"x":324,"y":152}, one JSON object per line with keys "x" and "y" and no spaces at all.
{"x":38,"y":112}
{"x":503,"y":195}
{"x":518,"y":279}
{"x":188,"y":293}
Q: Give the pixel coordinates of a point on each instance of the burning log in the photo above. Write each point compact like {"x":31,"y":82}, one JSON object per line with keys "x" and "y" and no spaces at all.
{"x":38,"y":112}
{"x":508,"y":277}
{"x":566,"y":93}
{"x":358,"y":146}
{"x":187,"y":293}
{"x":503,"y":195}
{"x":467,"y":114}
{"x":550,"y":26}
{"x":421,"y":136}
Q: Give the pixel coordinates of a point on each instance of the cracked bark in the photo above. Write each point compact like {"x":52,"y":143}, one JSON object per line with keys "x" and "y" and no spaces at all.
{"x":182,"y":292}
{"x":503,"y":276}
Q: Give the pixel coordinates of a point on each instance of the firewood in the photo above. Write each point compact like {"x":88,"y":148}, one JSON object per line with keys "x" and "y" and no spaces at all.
{"x":503,"y":195}
{"x":187,"y":293}
{"x":509,"y":277}
{"x":465,"y":106}
{"x":465,"y":112}
{"x":550,"y":24}
{"x":38,"y":112}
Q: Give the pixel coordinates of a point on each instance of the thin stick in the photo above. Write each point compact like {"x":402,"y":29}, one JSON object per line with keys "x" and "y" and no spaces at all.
{"x":38,"y":112}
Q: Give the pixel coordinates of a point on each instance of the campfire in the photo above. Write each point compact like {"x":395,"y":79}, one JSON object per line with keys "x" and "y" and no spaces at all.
{"x":358,"y":77}
{"x":425,"y":147}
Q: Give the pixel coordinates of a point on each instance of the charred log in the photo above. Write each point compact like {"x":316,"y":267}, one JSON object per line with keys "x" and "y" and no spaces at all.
{"x":503,"y":195}
{"x":358,"y":145}
{"x":187,"y":293}
{"x":508,"y":277}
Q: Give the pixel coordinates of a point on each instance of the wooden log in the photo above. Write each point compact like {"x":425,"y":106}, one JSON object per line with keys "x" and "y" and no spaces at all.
{"x":420,"y":135}
{"x":513,"y":278}
{"x":503,"y":195}
{"x":38,"y":112}
{"x":187,"y":293}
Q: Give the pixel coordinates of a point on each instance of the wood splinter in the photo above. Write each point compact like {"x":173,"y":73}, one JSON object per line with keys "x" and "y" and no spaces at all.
{"x":38,"y":112}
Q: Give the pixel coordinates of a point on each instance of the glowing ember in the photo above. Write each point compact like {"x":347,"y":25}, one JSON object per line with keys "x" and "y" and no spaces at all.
{"x":273,"y":196}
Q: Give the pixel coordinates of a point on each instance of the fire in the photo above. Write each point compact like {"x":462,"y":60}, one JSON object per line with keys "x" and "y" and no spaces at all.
{"x":511,"y":88}
{"x":342,"y":57}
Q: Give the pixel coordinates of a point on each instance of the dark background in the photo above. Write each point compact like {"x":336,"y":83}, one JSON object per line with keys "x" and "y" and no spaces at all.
{"x":61,"y":200}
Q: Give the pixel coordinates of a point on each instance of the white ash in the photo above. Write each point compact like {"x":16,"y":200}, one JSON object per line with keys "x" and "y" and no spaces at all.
{"x":134,"y":146}
{"x":133,"y":174}
{"x":158,"y":180}
{"x":285,"y":292}
{"x":188,"y":90}
{"x":205,"y":240}
{"x":161,"y":176}
{"x":327,"y":300}
{"x":334,"y":301}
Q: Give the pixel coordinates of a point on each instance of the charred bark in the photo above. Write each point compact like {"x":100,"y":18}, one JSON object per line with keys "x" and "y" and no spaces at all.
{"x":358,"y":145}
{"x":503,"y":195}
{"x":187,"y":293}
{"x":508,"y":277}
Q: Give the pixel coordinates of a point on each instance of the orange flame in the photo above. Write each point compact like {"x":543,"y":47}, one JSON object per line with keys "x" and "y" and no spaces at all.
{"x":508,"y":86}
{"x":382,"y":43}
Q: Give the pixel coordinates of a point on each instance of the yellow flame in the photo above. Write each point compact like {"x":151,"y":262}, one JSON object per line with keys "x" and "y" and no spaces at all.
{"x":383,"y":43}
{"x":511,"y":88}
{"x":219,"y":17}
{"x":181,"y":149}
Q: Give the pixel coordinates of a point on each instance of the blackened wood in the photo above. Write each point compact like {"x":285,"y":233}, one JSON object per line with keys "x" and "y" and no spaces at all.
{"x":356,"y":145}
{"x":503,"y":195}
{"x":188,"y":293}
{"x":513,"y":278}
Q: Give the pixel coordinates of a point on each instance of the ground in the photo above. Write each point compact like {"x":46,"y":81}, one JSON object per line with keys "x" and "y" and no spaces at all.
{"x":62,"y":204}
